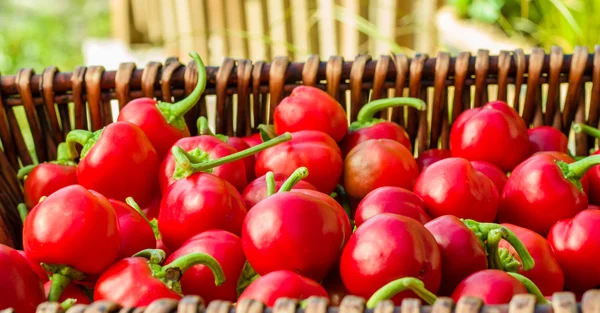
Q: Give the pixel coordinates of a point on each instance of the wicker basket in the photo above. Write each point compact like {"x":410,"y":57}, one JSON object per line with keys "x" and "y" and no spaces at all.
{"x":258,"y":87}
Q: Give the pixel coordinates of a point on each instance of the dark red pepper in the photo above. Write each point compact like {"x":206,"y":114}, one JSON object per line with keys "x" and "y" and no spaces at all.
{"x":121,"y":282}
{"x":367,"y":127}
{"x":576,"y":245}
{"x":253,"y":139}
{"x":431,"y":156}
{"x":547,"y":138}
{"x":494,"y":173}
{"x":282,"y":284}
{"x":452,"y":186}
{"x":75,"y":234}
{"x":310,"y":108}
{"x":543,"y":190}
{"x":46,"y":178}
{"x":388,"y":247}
{"x":394,"y":200}
{"x":257,"y":190}
{"x":162,"y":122}
{"x":21,"y":288}
{"x":494,"y":133}
{"x":593,"y":175}
{"x":135,"y":230}
{"x":36,"y":267}
{"x":377,"y":163}
{"x":117,"y":161}
{"x":312,"y":149}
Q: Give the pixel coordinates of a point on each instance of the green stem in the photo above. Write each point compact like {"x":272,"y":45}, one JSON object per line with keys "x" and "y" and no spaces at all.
{"x":22,"y":208}
{"x":510,"y":263}
{"x":154,"y":256}
{"x":368,"y":110}
{"x":577,"y":169}
{"x":59,"y":283}
{"x":186,"y":164}
{"x":344,"y":201}
{"x":67,"y":304}
{"x":202,"y":125}
{"x":588,"y":130}
{"x":62,"y":152}
{"x":482,"y":231}
{"x":137,"y":208}
{"x":395,"y":287}
{"x":493,"y":239}
{"x":531,"y":288}
{"x":177,"y":110}
{"x":74,"y":137}
{"x":24,"y":171}
{"x":299,"y":174}
{"x":175,"y":269}
{"x":270,"y":178}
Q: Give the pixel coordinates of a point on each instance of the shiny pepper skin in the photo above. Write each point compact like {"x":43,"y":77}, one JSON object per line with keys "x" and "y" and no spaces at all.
{"x":21,"y":288}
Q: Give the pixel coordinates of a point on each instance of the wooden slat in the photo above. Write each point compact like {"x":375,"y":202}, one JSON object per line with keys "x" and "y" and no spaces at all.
{"x":256,"y":29}
{"x":183,"y":21}
{"x":217,"y":42}
{"x":349,"y":46}
{"x":327,"y":28}
{"x":236,"y":25}
{"x":169,"y":27}
{"x":383,"y":15}
{"x":300,"y":31}
{"x":276,"y":21}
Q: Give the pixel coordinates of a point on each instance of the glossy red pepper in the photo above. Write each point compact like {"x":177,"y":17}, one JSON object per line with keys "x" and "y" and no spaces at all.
{"x":135,"y":230}
{"x":310,"y":108}
{"x":117,"y":161}
{"x":431,"y":156}
{"x":253,"y":139}
{"x":21,"y":288}
{"x":569,"y":159}
{"x":162,"y":122}
{"x":368,"y":127}
{"x":280,"y":233}
{"x":593,"y":175}
{"x":547,"y":138}
{"x":378,"y":163}
{"x":388,"y":247}
{"x":226,"y":248}
{"x":575,"y":243}
{"x":452,"y":186}
{"x":394,"y":200}
{"x":36,"y":267}
{"x":312,"y":149}
{"x":546,"y":273}
{"x":494,"y":173}
{"x":257,"y":190}
{"x":282,"y":284}
{"x":496,"y":287}
{"x":543,"y":190}
{"x":121,"y":282}
{"x":46,"y":178}
{"x":494,"y":133}
{"x":74,"y":233}
{"x":72,"y":291}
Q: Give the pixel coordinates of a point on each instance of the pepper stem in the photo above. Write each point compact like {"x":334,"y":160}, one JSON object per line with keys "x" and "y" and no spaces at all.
{"x":395,"y":287}
{"x":531,"y":288}
{"x":189,"y":168}
{"x":270,"y":178}
{"x":154,"y":256}
{"x":510,"y":263}
{"x":59,"y":283}
{"x":74,"y":137}
{"x":588,"y":130}
{"x":576,"y":170}
{"x":62,"y":152}
{"x":67,"y":304}
{"x":297,"y":176}
{"x":24,"y":171}
{"x":498,"y":258}
{"x":483,"y":230}
{"x":175,"y":269}
{"x":136,"y":207}
{"x":173,"y":113}
{"x":366,"y":113}
{"x":22,"y":208}
{"x":202,"y":125}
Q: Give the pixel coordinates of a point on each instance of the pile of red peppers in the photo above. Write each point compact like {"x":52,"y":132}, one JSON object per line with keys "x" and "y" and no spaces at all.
{"x":310,"y":206}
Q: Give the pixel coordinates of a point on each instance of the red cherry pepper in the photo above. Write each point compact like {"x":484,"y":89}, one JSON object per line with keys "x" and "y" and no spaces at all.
{"x":36,"y":267}
{"x":453,"y":186}
{"x":135,"y":230}
{"x":543,"y":190}
{"x":494,"y":173}
{"x":312,"y":149}
{"x":431,"y":156}
{"x":253,"y":139}
{"x":121,"y":282}
{"x":257,"y":190}
{"x":377,"y":163}
{"x":388,"y":247}
{"x":494,"y":133}
{"x":546,"y":273}
{"x":46,"y":178}
{"x":367,"y":127}
{"x":569,"y":159}
{"x":575,"y":243}
{"x":20,"y":288}
{"x":547,"y":138}
{"x":310,"y":108}
{"x":226,"y":248}
{"x":394,"y":200}
{"x":593,"y":175}
{"x":75,"y":234}
{"x":117,"y":161}
{"x":280,"y":233}
{"x":162,"y":122}
{"x":72,"y":291}
{"x":496,"y":287}
{"x":282,"y":284}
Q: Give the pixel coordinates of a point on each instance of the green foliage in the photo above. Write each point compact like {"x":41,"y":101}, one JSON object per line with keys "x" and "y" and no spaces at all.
{"x":39,"y":33}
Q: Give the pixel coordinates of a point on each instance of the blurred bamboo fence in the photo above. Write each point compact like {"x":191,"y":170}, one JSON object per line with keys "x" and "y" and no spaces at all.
{"x":263,"y":29}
